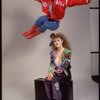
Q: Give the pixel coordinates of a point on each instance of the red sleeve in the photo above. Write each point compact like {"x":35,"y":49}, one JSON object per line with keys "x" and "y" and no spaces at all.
{"x":71,"y":3}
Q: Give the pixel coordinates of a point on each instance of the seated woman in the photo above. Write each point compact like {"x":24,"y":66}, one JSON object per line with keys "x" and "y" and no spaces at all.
{"x":59,"y":70}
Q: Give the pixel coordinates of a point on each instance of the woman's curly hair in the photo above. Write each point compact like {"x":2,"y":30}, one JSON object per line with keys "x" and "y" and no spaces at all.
{"x":65,"y":44}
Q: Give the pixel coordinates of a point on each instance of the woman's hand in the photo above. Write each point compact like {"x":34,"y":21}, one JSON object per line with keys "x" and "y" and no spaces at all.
{"x":49,"y":76}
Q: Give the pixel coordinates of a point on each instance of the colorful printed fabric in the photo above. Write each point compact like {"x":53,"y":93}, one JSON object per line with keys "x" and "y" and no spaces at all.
{"x":65,"y":61}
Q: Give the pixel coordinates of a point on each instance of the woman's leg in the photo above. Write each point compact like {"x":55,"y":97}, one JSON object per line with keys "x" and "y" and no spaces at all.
{"x":48,"y":89}
{"x":56,"y":88}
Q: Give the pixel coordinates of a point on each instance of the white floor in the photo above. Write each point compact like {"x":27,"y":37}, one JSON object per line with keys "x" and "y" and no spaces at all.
{"x":86,"y":90}
{"x":90,"y":93}
{"x":16,"y":90}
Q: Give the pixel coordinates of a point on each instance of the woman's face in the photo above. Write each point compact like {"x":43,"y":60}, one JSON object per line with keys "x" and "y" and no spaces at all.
{"x":57,"y":42}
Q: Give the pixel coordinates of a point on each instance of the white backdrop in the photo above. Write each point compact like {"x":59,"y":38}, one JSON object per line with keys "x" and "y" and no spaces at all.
{"x":25,"y":60}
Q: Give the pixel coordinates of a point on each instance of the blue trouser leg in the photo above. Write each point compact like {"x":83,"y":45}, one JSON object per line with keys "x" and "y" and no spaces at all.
{"x":51,"y":25}
{"x":40,"y":21}
{"x":45,"y":24}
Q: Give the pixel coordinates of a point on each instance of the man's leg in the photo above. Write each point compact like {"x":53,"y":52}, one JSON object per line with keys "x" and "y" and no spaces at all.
{"x":51,"y":25}
{"x":35,"y":28}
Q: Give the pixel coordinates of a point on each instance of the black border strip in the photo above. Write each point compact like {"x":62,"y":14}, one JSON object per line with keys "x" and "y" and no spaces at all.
{"x":93,"y":7}
{"x":95,"y":52}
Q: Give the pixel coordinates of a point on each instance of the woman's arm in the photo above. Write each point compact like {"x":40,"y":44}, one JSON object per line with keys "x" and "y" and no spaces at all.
{"x":51,"y":68}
